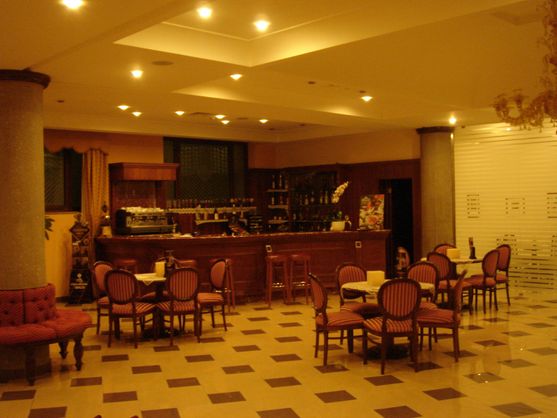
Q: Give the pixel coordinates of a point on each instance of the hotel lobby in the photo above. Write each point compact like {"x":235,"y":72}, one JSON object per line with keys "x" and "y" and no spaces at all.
{"x":375,"y":95}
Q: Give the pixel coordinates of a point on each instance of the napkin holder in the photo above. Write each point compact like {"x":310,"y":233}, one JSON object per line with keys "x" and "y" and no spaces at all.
{"x":159,"y":268}
{"x":375,"y":277}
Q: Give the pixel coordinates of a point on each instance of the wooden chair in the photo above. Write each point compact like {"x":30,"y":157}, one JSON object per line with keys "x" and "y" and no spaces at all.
{"x":182,"y":287}
{"x":446,"y":278}
{"x":425,"y":272}
{"x":100,"y":268}
{"x":276,"y":277}
{"x":151,"y":297}
{"x":503,"y":264}
{"x":328,"y":322}
{"x":486,"y":281}
{"x":432,"y":319}
{"x":300,"y":267}
{"x":350,"y":272}
{"x":123,"y":291}
{"x":207,"y":301}
{"x":229,"y":289}
{"x":399,"y":301}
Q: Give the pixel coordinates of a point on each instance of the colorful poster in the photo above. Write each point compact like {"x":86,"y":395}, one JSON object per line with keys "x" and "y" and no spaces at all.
{"x":372,"y":211}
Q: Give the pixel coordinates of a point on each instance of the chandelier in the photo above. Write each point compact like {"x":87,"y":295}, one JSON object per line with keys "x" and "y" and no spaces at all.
{"x":512,"y":108}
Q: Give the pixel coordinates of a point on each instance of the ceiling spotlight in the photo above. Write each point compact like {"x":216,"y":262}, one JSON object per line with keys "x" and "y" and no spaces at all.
{"x":262,"y":25}
{"x":220,"y":116}
{"x":236,"y":76}
{"x":136,"y":73}
{"x":225,"y":121}
{"x":452,"y":120}
{"x":366,"y":98}
{"x":263,"y":121}
{"x":136,"y":114}
{"x":73,"y":4}
{"x":123,"y":107}
{"x":204,"y":12}
{"x":179,"y":112}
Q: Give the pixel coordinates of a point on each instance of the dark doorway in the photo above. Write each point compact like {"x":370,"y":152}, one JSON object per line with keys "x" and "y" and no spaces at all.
{"x":398,"y":213}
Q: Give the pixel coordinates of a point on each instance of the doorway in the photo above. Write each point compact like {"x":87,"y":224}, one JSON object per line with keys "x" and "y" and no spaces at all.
{"x":398,"y":213}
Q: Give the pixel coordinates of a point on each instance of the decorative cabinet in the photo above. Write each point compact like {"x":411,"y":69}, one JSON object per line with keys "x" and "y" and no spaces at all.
{"x":311,"y":207}
{"x":278,"y":202}
{"x":80,"y":276}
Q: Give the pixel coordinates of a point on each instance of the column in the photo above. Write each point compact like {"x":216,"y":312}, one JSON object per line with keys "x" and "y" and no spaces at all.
{"x":22,"y":174}
{"x":437,"y":186}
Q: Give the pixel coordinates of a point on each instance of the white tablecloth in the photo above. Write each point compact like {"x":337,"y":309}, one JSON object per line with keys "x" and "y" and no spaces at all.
{"x":371,"y":289}
{"x":149,"y":278}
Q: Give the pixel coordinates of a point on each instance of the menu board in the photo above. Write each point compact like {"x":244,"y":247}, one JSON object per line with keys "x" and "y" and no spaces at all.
{"x":372,"y":211}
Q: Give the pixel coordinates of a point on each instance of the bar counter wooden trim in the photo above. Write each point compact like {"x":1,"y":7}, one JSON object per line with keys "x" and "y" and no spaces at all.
{"x":327,"y":250}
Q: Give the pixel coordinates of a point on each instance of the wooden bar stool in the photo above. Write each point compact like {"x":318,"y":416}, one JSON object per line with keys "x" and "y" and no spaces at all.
{"x":229,"y":283}
{"x":277,"y":277}
{"x":129,"y":264}
{"x":299,"y":274}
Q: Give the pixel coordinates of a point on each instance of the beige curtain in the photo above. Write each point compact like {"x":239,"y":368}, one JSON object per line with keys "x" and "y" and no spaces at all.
{"x":94,"y":192}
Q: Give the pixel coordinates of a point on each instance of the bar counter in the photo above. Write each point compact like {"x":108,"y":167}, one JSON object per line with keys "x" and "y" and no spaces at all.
{"x":328,"y":249}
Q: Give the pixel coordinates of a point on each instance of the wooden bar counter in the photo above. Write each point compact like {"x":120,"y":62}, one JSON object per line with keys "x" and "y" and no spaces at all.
{"x":370,"y":249}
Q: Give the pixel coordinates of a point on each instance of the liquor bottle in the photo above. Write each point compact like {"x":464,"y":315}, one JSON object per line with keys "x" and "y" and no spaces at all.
{"x":273,"y":183}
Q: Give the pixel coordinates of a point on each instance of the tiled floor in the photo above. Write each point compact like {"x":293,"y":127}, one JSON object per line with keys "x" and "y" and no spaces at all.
{"x":263,"y":366}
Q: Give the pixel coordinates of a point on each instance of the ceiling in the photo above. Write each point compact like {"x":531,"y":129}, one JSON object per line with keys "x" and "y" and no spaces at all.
{"x":422,"y":61}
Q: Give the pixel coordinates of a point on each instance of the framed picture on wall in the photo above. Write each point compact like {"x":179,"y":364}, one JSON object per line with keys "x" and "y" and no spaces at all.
{"x":372,"y":211}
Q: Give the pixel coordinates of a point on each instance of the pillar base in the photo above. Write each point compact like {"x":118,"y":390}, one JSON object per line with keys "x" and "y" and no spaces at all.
{"x":12,"y":362}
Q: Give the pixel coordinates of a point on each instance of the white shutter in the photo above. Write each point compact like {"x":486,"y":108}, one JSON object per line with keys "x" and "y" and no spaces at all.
{"x":506,"y":192}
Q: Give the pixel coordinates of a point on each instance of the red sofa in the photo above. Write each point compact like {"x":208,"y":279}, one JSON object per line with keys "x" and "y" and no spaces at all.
{"x":29,"y":318}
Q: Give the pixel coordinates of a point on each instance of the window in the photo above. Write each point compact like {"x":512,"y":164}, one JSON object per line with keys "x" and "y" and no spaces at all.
{"x":208,"y":169}
{"x":62,"y":173}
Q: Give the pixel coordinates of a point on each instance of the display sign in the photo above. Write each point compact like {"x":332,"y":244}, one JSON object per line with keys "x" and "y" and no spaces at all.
{"x":372,"y":211}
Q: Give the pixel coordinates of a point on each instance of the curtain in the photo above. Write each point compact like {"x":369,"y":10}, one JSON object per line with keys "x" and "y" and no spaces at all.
{"x":94,"y":192}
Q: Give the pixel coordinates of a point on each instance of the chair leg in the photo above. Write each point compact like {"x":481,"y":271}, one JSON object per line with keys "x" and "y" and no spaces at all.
{"x":224,"y":317}
{"x":212,"y":316}
{"x":350,"y":333}
{"x":110,"y":324}
{"x":78,"y":351}
{"x":495,"y":297}
{"x":456,"y":344}
{"x":508,"y":296}
{"x":199,"y":324}
{"x":134,"y":320}
{"x":98,"y":320}
{"x":172,"y":327}
{"x":429,"y":337}
{"x":316,"y":342}
{"x":364,"y":344}
{"x":384,"y":346}
{"x":325,"y":346}
{"x":63,"y":348}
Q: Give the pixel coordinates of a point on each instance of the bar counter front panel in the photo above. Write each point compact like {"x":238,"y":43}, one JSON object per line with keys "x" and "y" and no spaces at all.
{"x":327,"y":251}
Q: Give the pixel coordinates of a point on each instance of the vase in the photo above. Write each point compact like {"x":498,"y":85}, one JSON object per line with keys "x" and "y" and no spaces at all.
{"x":338,"y":225}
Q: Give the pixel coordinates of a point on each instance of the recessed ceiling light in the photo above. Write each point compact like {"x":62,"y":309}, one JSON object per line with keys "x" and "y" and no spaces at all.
{"x":225,"y":122}
{"x":262,"y":25}
{"x":366,"y":98}
{"x":179,"y":112}
{"x":220,"y":116}
{"x":236,"y":76}
{"x":204,"y":12}
{"x":137,"y":73}
{"x":509,"y":129}
{"x":73,"y":4}
{"x":123,"y":107}
{"x":263,"y":121}
{"x":452,"y":120}
{"x":136,"y":114}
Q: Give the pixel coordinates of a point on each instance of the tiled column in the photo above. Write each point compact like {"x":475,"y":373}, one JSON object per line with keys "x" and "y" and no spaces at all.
{"x":22,"y":174}
{"x":437,"y":185}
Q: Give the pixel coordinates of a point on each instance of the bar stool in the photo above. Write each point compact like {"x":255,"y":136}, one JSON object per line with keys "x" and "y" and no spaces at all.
{"x":299,"y":271}
{"x":277,"y":277}
{"x":229,"y":283}
{"x":129,"y":264}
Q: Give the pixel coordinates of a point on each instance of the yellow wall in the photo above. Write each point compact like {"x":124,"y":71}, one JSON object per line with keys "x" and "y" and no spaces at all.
{"x":346,"y":149}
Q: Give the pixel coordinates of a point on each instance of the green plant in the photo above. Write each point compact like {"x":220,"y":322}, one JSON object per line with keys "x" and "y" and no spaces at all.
{"x":48,"y":221}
